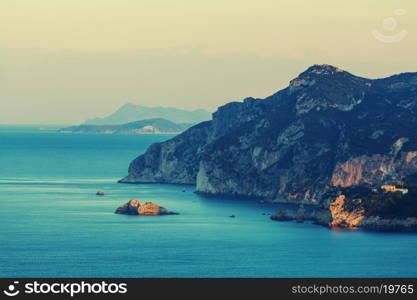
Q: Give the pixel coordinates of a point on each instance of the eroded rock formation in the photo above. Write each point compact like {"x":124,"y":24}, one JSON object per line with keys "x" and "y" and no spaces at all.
{"x":344,"y":217}
{"x":134,"y":207}
{"x":388,"y":208}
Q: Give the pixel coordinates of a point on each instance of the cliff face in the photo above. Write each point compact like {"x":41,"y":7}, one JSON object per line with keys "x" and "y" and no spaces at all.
{"x":327,"y":130}
{"x":174,"y":161}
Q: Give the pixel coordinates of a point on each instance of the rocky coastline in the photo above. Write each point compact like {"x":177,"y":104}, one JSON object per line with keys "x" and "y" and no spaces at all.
{"x":316,"y":142}
{"x":387,"y":208}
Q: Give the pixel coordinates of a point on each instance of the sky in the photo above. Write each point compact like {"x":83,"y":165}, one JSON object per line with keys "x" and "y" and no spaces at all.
{"x":63,"y":61}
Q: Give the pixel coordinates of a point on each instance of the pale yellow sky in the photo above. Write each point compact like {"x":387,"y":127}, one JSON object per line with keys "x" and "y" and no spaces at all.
{"x":63,"y":61}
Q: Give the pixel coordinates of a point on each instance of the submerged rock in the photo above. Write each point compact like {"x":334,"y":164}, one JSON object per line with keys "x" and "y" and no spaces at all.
{"x":134,"y":207}
{"x":301,"y":214}
{"x":321,"y":217}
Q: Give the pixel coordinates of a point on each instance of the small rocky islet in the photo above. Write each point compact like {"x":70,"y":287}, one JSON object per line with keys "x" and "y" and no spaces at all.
{"x":134,"y":207}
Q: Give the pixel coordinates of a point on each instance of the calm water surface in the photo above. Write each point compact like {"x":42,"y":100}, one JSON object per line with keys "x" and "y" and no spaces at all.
{"x":53,"y":225}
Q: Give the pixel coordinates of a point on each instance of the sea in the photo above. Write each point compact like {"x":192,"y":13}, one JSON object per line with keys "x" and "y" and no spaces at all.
{"x":52,"y":224}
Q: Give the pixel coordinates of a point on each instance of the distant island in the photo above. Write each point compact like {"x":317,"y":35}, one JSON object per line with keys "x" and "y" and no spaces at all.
{"x":150,"y":126}
{"x":132,"y":112}
{"x":343,"y":144}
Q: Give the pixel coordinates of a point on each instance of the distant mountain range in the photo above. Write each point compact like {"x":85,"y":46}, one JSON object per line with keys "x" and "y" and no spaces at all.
{"x":131,"y":112}
{"x":150,"y":126}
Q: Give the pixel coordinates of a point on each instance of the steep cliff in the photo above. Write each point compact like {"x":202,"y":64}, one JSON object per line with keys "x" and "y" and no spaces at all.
{"x":387,"y":208}
{"x":327,"y":130}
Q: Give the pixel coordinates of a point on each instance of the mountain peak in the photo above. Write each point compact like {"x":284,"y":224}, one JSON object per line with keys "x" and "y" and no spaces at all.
{"x":127,"y":106}
{"x":323,"y":69}
{"x":327,"y":87}
{"x":318,"y":73}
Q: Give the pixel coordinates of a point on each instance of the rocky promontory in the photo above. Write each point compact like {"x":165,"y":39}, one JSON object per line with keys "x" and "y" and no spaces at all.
{"x":328,"y":131}
{"x":148,"y":126}
{"x":388,"y":208}
{"x":134,"y":207}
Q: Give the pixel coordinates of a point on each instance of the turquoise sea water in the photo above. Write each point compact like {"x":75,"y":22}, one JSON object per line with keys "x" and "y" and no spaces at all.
{"x":53,"y":225}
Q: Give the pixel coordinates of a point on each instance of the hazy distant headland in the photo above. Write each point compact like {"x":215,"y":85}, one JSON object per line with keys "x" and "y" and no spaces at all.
{"x":150,"y":126}
{"x":343,"y":143}
{"x":132,"y":112}
{"x":136,"y":119}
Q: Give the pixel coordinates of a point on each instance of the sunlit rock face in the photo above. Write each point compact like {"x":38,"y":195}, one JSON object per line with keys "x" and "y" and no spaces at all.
{"x":372,"y":170}
{"x":174,"y":161}
{"x":342,"y":217}
{"x":324,"y":87}
{"x":328,"y":130}
{"x":134,"y":207}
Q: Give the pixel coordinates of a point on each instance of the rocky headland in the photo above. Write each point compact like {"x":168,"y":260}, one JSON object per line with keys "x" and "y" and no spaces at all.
{"x":131,"y":112}
{"x":361,"y":207}
{"x":134,"y":207}
{"x":331,"y":140}
{"x":148,"y":126}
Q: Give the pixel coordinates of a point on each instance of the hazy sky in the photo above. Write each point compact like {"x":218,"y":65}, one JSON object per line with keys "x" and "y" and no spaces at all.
{"x":62,"y":61}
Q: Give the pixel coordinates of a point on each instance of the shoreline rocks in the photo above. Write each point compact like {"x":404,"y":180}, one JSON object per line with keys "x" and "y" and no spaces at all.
{"x":389,"y":225}
{"x":374,"y":209}
{"x":134,"y":207}
{"x":283,"y":215}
